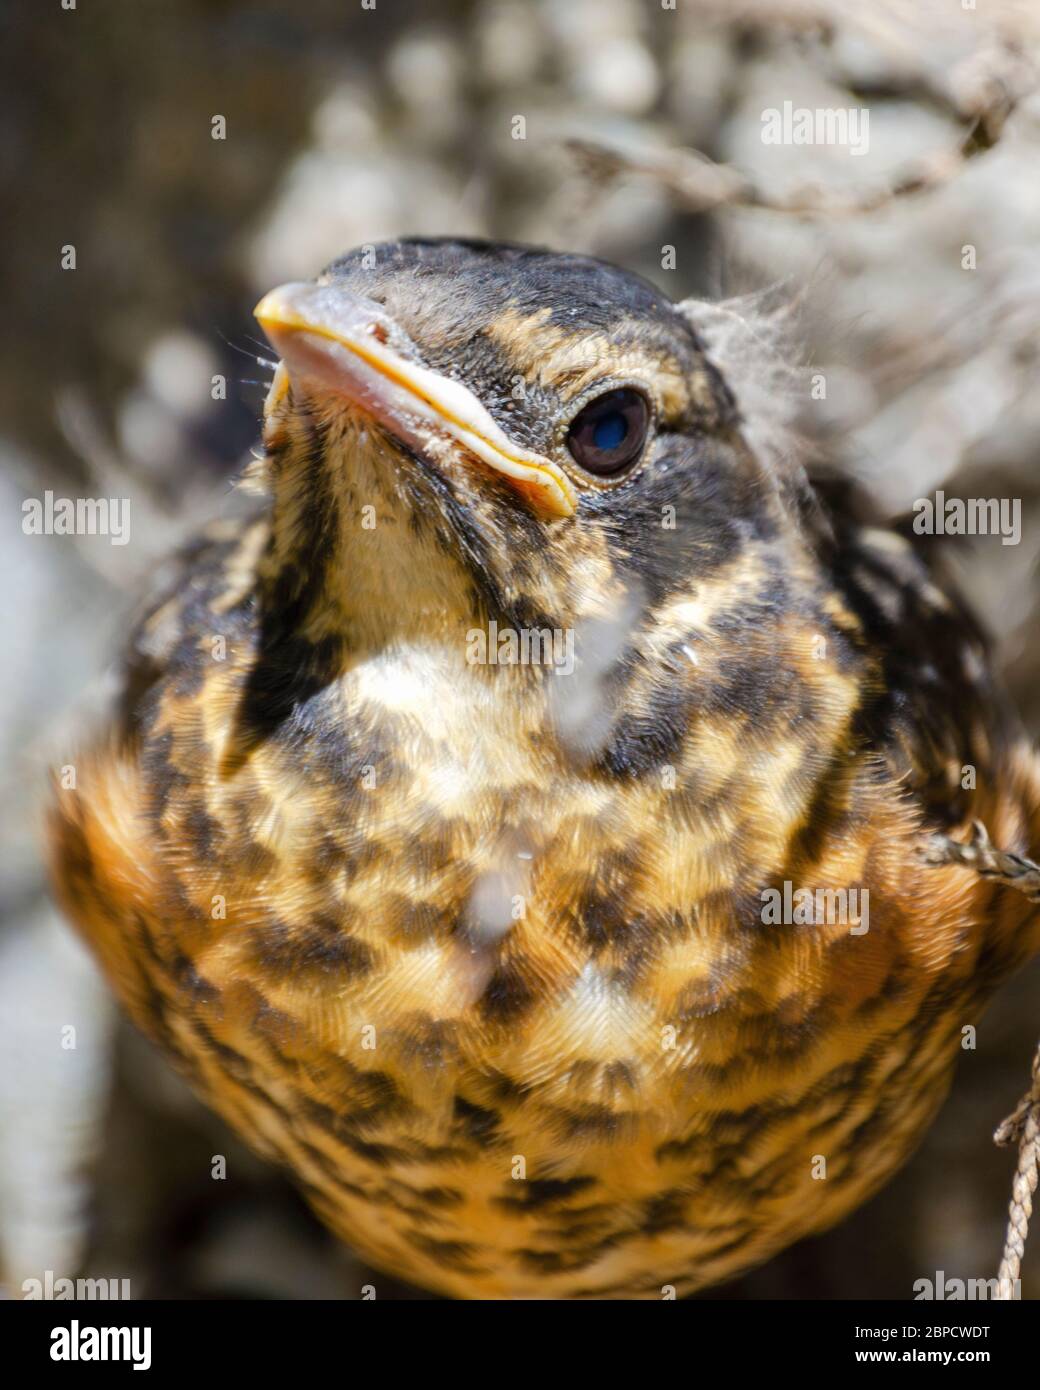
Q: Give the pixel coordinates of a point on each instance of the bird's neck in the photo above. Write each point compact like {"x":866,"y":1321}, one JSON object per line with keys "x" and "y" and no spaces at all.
{"x":350,"y":561}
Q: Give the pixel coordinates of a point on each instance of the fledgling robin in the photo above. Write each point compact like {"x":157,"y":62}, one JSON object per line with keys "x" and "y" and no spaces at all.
{"x":437,"y":835}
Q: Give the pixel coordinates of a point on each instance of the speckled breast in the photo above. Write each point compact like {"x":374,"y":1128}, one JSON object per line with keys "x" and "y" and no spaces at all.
{"x":517,"y":1026}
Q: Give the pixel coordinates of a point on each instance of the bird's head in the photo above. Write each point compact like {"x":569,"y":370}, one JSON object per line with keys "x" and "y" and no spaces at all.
{"x":461,"y":431}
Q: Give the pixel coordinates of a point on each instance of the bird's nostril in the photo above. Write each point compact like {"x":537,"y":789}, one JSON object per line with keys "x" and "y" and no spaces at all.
{"x":378,"y":331}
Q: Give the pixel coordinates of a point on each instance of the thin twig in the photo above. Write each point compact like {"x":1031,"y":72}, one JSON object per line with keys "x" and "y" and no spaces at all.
{"x":1010,"y":870}
{"x":698,"y":183}
{"x":1022,"y":1125}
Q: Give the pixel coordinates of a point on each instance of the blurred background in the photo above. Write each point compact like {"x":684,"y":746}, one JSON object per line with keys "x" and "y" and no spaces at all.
{"x":642,"y":143}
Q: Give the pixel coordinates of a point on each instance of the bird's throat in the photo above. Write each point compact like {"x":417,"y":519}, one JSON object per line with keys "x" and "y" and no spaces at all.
{"x":360,"y":553}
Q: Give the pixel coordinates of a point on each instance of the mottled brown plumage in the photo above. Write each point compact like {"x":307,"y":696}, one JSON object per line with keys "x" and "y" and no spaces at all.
{"x":478,"y":950}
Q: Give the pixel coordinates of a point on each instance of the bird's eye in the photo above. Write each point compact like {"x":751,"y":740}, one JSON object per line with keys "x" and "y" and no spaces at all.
{"x":609,"y":433}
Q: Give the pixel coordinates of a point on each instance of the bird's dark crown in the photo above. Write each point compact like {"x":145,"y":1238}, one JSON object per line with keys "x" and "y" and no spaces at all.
{"x":500,"y":316}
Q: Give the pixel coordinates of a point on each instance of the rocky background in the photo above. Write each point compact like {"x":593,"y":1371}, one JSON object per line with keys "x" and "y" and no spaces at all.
{"x":643,"y":131}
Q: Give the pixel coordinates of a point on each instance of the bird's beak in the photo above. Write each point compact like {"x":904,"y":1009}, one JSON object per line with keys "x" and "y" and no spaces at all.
{"x":352,"y":347}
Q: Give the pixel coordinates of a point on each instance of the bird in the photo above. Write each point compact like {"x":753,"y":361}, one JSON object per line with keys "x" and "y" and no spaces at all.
{"x":461,"y":827}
